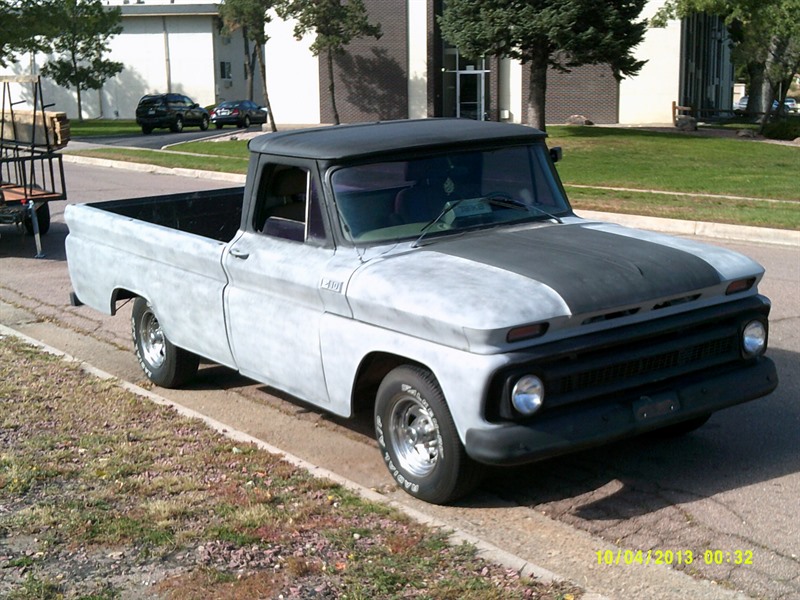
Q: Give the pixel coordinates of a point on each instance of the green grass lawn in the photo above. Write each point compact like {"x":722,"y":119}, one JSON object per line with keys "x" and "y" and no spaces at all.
{"x":101,"y":127}
{"x":616,"y":157}
{"x":679,"y":163}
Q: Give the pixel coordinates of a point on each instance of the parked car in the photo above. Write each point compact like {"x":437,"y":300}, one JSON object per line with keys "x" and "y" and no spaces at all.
{"x":173,"y":111}
{"x":241,"y":113}
{"x":789,"y":104}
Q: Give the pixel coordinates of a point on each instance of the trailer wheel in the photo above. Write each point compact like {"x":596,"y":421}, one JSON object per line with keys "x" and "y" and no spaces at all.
{"x":42,"y":218}
{"x":164,"y":363}
{"x":418,"y":439}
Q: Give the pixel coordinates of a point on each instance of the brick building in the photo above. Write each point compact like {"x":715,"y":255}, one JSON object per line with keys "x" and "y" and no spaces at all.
{"x":410,"y":72}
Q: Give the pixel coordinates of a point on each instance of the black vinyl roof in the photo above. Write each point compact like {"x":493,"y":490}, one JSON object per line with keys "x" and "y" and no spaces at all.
{"x":341,"y":142}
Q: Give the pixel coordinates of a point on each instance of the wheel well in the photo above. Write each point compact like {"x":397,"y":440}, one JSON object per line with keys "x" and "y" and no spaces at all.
{"x":120,"y":294}
{"x":373,"y":368}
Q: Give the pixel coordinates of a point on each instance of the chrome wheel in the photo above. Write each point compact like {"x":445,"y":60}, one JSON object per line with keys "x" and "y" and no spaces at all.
{"x":414,"y":437}
{"x":152,"y":340}
{"x":164,"y":363}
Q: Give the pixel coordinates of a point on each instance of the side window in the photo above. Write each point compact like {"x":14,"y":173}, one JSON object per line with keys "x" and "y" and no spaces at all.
{"x":288,"y":205}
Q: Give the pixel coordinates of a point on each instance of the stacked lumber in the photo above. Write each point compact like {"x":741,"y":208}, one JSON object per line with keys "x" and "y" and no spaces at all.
{"x":27,"y":127}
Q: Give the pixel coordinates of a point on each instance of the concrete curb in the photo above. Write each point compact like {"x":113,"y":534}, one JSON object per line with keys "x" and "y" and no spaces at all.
{"x":722,"y":231}
{"x":486,"y":550}
{"x":148,"y":168}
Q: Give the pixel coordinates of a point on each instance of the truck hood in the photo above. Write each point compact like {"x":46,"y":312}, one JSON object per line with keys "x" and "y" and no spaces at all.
{"x":468,"y":291}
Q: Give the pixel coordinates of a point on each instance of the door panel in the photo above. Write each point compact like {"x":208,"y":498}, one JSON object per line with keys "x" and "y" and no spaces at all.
{"x":274,"y":311}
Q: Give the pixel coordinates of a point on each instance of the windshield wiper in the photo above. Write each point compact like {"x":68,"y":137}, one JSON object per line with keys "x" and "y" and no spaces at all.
{"x":519,"y":204}
{"x":491,"y":200}
{"x":448,"y":206}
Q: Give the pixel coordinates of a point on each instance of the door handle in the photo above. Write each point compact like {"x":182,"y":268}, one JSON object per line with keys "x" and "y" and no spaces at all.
{"x":240,"y":254}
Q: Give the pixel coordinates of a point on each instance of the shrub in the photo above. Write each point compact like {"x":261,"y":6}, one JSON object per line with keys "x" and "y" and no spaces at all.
{"x":785,"y":129}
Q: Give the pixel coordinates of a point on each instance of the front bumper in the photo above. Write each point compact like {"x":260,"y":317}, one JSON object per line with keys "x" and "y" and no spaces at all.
{"x":587,"y":425}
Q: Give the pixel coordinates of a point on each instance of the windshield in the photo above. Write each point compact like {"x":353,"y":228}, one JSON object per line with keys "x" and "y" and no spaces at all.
{"x":446,"y":193}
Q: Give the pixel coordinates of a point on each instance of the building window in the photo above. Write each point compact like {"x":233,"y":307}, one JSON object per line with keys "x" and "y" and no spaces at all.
{"x":225,"y":70}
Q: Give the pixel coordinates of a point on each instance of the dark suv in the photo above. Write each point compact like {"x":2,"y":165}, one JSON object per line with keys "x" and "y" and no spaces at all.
{"x":169,"y":110}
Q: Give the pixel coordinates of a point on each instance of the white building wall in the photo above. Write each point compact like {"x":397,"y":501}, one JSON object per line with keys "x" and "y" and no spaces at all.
{"x":648,"y":97}
{"x":417,"y":59}
{"x":511,"y":98}
{"x":292,"y":76}
{"x":191,"y":58}
{"x":144,"y":72}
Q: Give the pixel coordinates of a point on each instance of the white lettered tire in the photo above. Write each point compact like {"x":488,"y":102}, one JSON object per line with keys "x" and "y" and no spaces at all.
{"x":164,"y":363}
{"x":418,"y":439}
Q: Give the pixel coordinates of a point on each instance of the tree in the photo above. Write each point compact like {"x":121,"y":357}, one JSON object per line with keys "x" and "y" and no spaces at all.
{"x":336,"y":24}
{"x":84,"y":27}
{"x":547,"y":33}
{"x":24,"y":26}
{"x":252,"y":17}
{"x":766,"y":41}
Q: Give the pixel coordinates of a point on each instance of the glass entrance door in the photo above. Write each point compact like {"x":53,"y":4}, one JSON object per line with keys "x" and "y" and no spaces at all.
{"x":466,"y":84}
{"x":470,"y":95}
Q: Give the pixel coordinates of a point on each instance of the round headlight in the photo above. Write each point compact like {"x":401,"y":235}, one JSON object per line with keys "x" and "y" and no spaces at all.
{"x":754,"y":338}
{"x":527,"y":395}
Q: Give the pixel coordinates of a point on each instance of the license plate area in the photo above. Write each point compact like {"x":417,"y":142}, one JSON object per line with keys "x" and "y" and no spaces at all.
{"x":651,"y":408}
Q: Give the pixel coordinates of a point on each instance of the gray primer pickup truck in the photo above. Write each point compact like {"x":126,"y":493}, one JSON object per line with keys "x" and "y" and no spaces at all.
{"x":433,"y":272}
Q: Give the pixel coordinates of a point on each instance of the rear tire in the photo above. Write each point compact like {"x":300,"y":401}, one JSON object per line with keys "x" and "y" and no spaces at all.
{"x":147,"y":129}
{"x":177,"y":127}
{"x":164,"y":363}
{"x":418,"y":439}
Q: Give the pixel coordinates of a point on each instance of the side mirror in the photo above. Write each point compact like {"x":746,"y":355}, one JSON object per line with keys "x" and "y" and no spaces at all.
{"x":195,"y":105}
{"x":556,"y":154}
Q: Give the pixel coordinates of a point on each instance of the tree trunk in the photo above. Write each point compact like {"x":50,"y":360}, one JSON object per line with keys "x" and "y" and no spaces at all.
{"x":76,"y":83}
{"x":332,"y":89}
{"x":248,"y":63}
{"x":755,"y":102}
{"x":776,"y":50}
{"x":262,"y":66}
{"x":537,"y":91}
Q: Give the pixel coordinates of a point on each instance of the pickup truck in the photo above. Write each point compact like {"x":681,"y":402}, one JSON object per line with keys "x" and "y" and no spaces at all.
{"x":433,"y":273}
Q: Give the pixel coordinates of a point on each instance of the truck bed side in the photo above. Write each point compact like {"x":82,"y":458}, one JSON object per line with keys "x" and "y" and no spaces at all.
{"x":132,"y":247}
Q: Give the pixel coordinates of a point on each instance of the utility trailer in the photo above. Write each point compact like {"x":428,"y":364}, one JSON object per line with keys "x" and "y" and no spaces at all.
{"x":31,"y":171}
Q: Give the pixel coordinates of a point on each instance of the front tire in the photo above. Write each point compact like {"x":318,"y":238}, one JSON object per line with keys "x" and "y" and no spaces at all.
{"x":164,"y":364}
{"x":418,"y":439}
{"x":204,"y":123}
